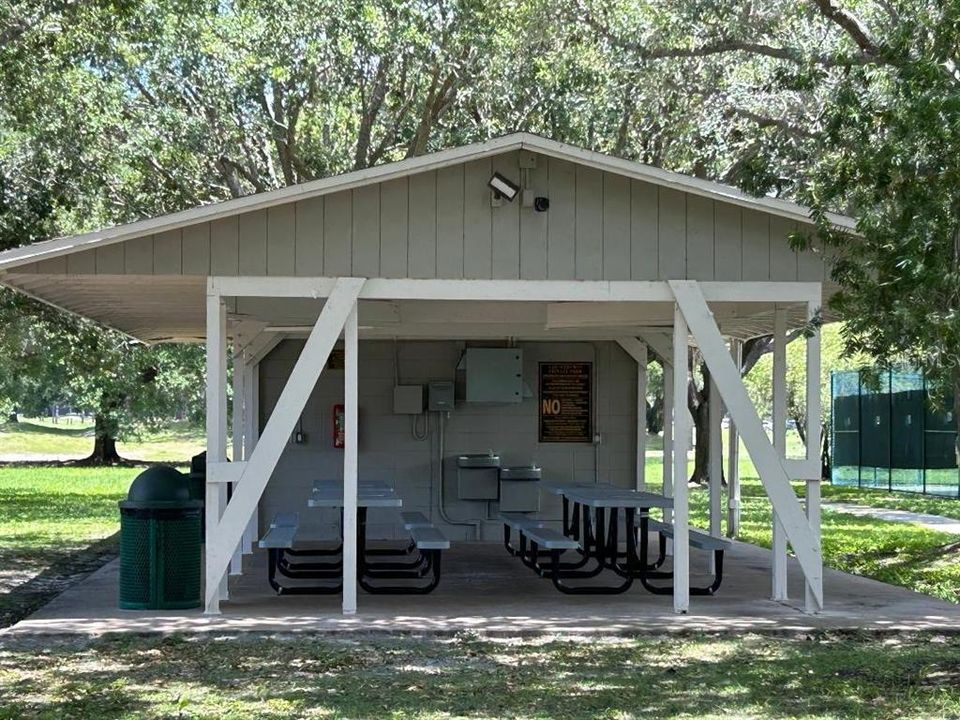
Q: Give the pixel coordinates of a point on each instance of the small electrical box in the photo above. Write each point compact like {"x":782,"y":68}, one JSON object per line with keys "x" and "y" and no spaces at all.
{"x":407,"y":399}
{"x":440,"y":397}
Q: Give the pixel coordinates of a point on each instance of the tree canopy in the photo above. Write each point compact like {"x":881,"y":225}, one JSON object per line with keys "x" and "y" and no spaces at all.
{"x":112,"y":110}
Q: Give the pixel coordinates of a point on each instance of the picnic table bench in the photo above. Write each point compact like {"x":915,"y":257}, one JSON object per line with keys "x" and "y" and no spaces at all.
{"x":699,"y":540}
{"x":421,"y":555}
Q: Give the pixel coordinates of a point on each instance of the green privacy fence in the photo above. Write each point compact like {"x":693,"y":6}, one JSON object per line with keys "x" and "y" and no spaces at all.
{"x":892,"y":437}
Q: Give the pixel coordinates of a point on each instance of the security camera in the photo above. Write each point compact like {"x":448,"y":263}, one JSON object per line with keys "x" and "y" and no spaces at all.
{"x":541,"y":204}
{"x":503,"y":188}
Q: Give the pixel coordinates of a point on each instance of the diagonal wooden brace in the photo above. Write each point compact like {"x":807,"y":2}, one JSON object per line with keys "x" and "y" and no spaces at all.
{"x":770,"y":467}
{"x":223,"y":538}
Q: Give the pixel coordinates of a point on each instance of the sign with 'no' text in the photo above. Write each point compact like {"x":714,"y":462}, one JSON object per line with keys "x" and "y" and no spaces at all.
{"x":566,"y":402}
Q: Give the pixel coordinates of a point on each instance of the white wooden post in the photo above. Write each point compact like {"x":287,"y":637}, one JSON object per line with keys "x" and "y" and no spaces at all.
{"x":236,"y":445}
{"x":813,"y":591}
{"x":668,"y":448}
{"x":733,"y":457}
{"x":216,"y":441}
{"x":350,"y":464}
{"x":638,"y":351}
{"x":250,"y":431}
{"x":681,"y":432}
{"x":813,"y":588}
{"x":715,"y":462}
{"x":778,"y":550}
{"x":642,"y":419}
{"x":769,"y":464}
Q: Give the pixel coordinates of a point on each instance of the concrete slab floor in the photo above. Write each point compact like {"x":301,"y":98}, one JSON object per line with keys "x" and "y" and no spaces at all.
{"x":485,"y":590}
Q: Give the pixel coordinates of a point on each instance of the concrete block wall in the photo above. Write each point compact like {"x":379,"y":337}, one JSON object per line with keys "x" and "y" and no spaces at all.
{"x":390,"y":452}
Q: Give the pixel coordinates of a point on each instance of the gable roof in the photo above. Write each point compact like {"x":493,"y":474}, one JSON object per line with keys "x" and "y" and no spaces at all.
{"x":506,"y":143}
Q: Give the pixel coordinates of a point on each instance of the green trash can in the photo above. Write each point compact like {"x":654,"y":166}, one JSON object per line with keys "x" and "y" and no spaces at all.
{"x":160,"y":543}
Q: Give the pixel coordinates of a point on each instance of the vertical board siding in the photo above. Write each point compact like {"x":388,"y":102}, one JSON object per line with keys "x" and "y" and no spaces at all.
{"x":168,"y":253}
{"x":281,"y":240}
{"x":783,"y":259}
{"x":82,"y":263}
{"x":616,"y":227}
{"x":728,"y":233}
{"x":810,"y":265}
{"x":672,"y":233}
{"x":110,"y":260}
{"x":138,"y":256}
{"x":309,"y":237}
{"x":561,"y":223}
{"x":505,"y":223}
{"x":54,"y":266}
{"x":253,"y":243}
{"x":599,"y":226}
{"x":450,"y":216}
{"x":366,"y":231}
{"x":700,"y":238}
{"x":225,"y":246}
{"x":394,"y":225}
{"x":644,"y":230}
{"x":477,"y":251}
{"x":756,"y":246}
{"x":196,"y":249}
{"x":589,"y":224}
{"x":337,"y":233}
{"x":423,"y":225}
{"x":534,"y":225}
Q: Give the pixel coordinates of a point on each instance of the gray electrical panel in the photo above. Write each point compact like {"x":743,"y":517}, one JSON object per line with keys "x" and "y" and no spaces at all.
{"x":494,"y":375}
{"x":408,"y":399}
{"x":440,"y":397}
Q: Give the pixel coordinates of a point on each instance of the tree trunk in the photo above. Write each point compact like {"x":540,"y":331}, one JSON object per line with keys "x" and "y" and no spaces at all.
{"x":13,"y":418}
{"x":701,"y":451}
{"x":655,"y":416}
{"x":826,"y":467}
{"x":104,"y":443}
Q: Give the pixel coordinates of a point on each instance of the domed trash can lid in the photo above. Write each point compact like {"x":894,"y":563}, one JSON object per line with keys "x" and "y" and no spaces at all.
{"x":158,"y":487}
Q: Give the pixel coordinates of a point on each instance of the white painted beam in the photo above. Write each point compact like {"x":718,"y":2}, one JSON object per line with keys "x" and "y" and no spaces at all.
{"x":778,"y":548}
{"x":668,"y":448}
{"x":733,"y":458}
{"x":282,"y":421}
{"x":638,"y":351}
{"x":681,"y":432}
{"x":350,"y":394}
{"x":662,"y":345}
{"x":813,"y":589}
{"x":251,"y":435}
{"x":236,"y":445}
{"x":813,"y":397}
{"x":515,"y":290}
{"x":715,"y":462}
{"x":804,"y":541}
{"x":215,"y":495}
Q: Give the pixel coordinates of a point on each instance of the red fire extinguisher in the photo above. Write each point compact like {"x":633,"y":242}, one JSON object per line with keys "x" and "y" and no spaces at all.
{"x":339,"y":429}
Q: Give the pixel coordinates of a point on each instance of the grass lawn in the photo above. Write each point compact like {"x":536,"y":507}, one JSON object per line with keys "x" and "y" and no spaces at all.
{"x":465,"y":677}
{"x":898,"y":553}
{"x":49,"y":519}
{"x":30,"y":440}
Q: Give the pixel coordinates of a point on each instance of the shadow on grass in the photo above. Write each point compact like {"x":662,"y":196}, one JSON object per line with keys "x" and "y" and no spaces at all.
{"x":28,"y":428}
{"x":464,"y":677}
